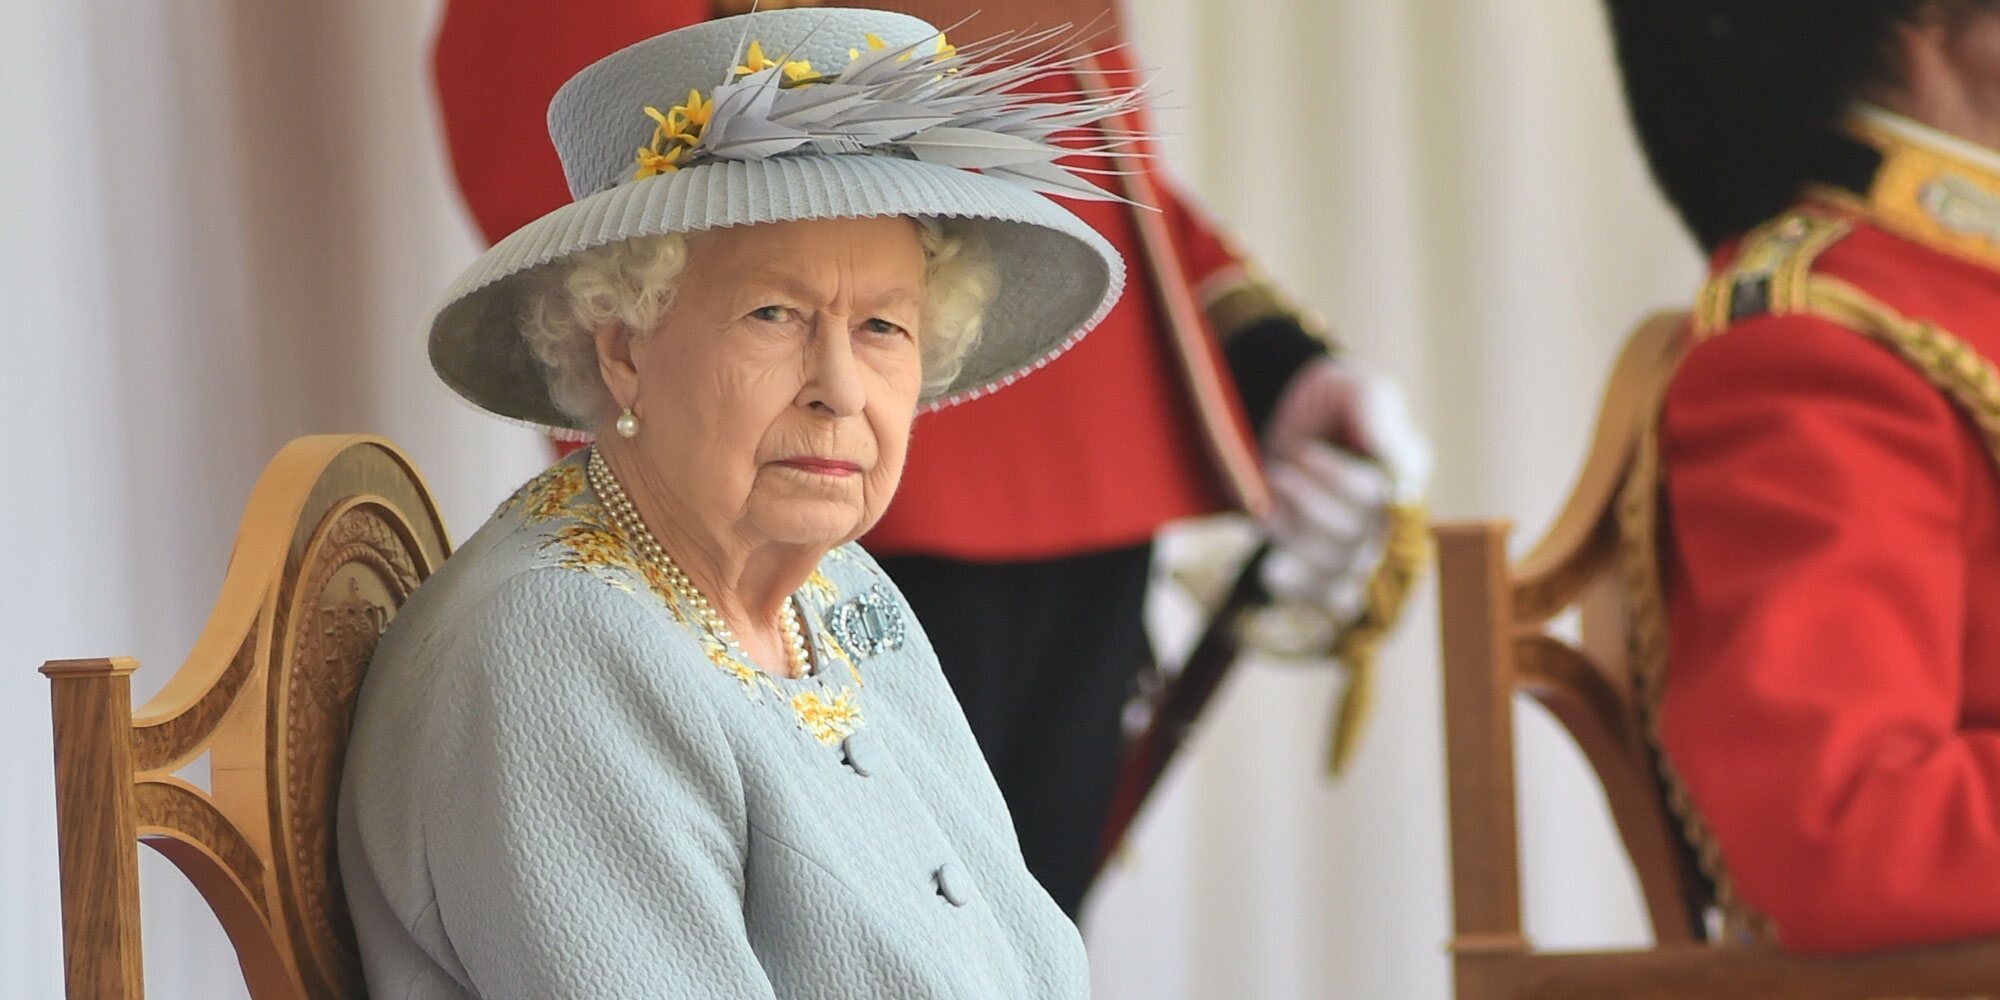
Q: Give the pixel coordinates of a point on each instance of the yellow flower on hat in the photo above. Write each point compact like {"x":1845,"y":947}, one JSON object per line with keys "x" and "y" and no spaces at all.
{"x":675,"y":131}
{"x":671,"y":127}
{"x":680,"y":128}
{"x":945,"y":50}
{"x":754,"y":60}
{"x":652,"y":163}
{"x":873,"y":44}
{"x":696,"y":111}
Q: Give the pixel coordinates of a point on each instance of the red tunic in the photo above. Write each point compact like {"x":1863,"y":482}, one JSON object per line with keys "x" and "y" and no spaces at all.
{"x":499,"y":63}
{"x":1136,"y":426}
{"x":1831,"y":563}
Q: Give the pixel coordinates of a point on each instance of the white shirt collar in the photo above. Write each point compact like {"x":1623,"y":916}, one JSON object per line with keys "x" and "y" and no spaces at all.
{"x":1911,"y":130}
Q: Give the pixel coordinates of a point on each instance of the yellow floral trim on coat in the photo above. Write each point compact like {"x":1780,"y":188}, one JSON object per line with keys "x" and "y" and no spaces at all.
{"x":596,"y":548}
{"x":588,"y":548}
{"x":826,"y":642}
{"x":549,"y":494}
{"x":827,"y":720}
{"x":589,"y":542}
{"x":755,"y":682}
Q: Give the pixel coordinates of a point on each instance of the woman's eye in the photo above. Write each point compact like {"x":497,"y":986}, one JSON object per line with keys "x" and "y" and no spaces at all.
{"x":772,"y":314}
{"x":884,"y":327}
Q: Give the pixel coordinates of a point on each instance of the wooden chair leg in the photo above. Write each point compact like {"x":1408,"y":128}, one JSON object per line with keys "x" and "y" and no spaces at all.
{"x":95,"y":832}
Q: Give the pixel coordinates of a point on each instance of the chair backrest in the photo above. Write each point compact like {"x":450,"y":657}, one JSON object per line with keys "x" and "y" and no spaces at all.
{"x":1499,"y":641}
{"x":338,"y":531}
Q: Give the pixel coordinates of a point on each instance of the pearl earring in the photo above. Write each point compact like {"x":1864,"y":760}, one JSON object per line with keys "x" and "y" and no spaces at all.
{"x":628,"y":424}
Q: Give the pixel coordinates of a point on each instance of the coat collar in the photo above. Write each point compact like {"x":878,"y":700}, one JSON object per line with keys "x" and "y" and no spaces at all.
{"x":1933,"y":188}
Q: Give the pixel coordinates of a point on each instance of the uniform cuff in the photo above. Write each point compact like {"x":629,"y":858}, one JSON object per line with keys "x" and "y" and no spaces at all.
{"x":1263,"y":357}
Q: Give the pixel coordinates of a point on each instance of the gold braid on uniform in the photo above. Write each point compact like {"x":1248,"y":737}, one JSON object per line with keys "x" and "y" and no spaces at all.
{"x":1406,"y":550}
{"x":1236,"y":300}
{"x":1240,"y":297}
{"x":1773,"y":275}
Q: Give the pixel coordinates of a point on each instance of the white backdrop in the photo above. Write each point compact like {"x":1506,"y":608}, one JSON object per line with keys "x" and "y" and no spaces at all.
{"x":224,"y":223}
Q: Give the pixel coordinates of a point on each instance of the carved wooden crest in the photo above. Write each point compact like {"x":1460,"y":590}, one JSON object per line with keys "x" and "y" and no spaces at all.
{"x":358,"y":569}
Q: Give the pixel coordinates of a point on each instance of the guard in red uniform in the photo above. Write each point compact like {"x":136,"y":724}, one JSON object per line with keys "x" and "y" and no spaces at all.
{"x":1825,"y":525}
{"x":1023,"y":528}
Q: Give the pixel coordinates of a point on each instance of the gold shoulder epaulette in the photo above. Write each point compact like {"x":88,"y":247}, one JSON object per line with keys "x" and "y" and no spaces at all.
{"x":1774,"y":275}
{"x":1769,"y":275}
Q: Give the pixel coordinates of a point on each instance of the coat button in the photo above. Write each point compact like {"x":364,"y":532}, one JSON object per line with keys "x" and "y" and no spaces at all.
{"x":954,"y":884}
{"x":859,"y":753}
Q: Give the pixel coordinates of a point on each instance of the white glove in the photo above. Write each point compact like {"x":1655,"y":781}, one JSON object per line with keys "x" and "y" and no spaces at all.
{"x":1342,"y":449}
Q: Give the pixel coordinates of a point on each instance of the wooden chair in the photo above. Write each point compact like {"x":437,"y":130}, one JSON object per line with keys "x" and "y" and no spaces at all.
{"x":338,"y":532}
{"x":1497,"y":643}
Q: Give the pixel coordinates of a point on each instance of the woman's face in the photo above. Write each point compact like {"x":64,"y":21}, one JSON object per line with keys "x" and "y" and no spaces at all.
{"x":775,"y":399}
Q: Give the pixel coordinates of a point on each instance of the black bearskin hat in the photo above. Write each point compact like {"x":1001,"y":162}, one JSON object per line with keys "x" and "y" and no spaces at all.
{"x":1738,"y":103}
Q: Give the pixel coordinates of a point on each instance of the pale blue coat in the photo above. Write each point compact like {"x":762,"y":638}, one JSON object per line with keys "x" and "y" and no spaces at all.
{"x":554,"y":791}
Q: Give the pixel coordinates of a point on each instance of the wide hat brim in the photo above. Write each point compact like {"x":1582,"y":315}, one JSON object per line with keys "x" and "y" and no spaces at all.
{"x":1056,"y":276}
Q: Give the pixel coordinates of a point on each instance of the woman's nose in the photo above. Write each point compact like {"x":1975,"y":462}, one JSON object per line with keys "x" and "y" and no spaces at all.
{"x":833,"y":374}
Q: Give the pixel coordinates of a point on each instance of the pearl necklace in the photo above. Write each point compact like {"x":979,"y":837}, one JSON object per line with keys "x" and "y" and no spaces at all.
{"x":626,"y":518}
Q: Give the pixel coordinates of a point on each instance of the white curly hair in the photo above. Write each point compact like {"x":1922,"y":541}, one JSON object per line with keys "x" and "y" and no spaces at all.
{"x":632,"y":283}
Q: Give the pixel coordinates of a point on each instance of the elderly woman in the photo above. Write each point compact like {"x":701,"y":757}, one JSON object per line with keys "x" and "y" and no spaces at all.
{"x":659,"y":728}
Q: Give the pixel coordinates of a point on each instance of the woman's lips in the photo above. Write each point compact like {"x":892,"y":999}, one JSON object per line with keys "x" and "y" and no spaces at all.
{"x":823,"y":466}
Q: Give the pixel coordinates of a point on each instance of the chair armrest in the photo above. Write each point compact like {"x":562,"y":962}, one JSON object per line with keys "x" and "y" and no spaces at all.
{"x":1685,"y":972}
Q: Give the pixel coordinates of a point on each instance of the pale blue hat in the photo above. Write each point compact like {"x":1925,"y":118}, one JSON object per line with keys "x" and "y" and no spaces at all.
{"x":888,"y":133}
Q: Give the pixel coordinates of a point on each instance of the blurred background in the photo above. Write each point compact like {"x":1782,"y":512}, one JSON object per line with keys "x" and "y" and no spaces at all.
{"x":224,"y":224}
